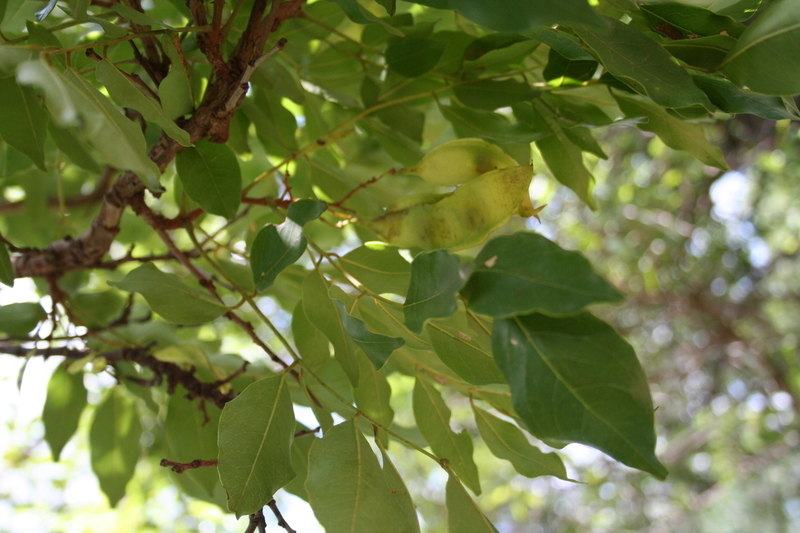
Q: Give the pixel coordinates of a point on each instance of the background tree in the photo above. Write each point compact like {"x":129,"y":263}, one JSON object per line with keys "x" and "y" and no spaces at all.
{"x":243,"y":293}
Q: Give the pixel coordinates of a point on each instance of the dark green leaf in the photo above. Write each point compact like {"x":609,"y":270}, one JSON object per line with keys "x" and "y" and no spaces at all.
{"x":23,"y":121}
{"x":19,"y":319}
{"x":211,"y":177}
{"x":377,"y":347}
{"x":675,"y":132}
{"x":703,"y":52}
{"x":413,"y":56}
{"x":765,"y":59}
{"x":359,"y":15}
{"x":114,"y":442}
{"x":467,"y":352}
{"x":575,"y":379}
{"x":325,"y":316}
{"x":690,"y":20}
{"x":575,"y":111}
{"x":583,"y":139}
{"x":6,"y":269}
{"x":519,"y":15}
{"x":168,"y":296}
{"x":506,"y":441}
{"x":435,"y":280}
{"x":565,"y":44}
{"x":487,"y":125}
{"x":256,"y":430}
{"x":463,"y":514}
{"x":191,"y":433}
{"x":66,"y":399}
{"x":491,"y":94}
{"x":562,"y":71}
{"x":731,"y":99}
{"x":525,"y":272}
{"x":274,"y":249}
{"x":305,"y":210}
{"x":642,"y":63}
{"x":433,"y":420}
{"x":389,"y":5}
{"x":347,"y":488}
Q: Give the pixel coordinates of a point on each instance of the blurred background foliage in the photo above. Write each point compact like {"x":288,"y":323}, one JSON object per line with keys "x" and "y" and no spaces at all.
{"x":709,"y":262}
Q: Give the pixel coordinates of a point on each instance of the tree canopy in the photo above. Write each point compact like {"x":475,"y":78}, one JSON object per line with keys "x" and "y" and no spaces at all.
{"x":332,"y":257}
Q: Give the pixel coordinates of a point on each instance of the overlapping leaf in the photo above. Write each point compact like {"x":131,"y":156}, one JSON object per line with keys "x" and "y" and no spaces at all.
{"x":256,"y":430}
{"x":23,"y":121}
{"x":435,"y":280}
{"x":210,"y":175}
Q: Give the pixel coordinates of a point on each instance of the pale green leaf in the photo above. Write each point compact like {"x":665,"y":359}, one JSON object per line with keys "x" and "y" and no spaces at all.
{"x":463,"y":514}
{"x":175,"y":90}
{"x":114,"y":443}
{"x":347,"y":488}
{"x":467,"y":352}
{"x":311,"y":343}
{"x":126,"y":94}
{"x":675,"y":133}
{"x":373,"y":393}
{"x":23,"y":121}
{"x":256,"y":430}
{"x":66,"y":399}
{"x":377,"y":347}
{"x":191,"y":433}
{"x":400,"y":493}
{"x":506,"y":441}
{"x":433,"y":420}
{"x":19,"y":319}
{"x":379,"y":267}
{"x":168,"y":296}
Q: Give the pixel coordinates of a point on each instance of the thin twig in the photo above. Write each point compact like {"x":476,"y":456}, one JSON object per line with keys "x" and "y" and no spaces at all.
{"x":273,"y":505}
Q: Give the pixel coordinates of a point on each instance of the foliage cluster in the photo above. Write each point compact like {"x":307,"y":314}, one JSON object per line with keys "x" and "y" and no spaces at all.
{"x":294,"y":128}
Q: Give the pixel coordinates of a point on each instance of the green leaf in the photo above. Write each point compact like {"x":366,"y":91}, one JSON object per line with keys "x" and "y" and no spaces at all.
{"x":389,"y":5}
{"x":66,"y":399}
{"x":211,"y":177}
{"x":641,"y":62}
{"x":564,"y":158}
{"x":379,"y":267}
{"x":467,"y":352}
{"x":506,"y":441}
{"x":413,"y":56}
{"x":114,"y":443}
{"x":519,"y":15}
{"x":675,"y":132}
{"x":119,"y":141}
{"x":256,"y":430}
{"x":175,"y":90}
{"x":521,"y":273}
{"x":690,"y":20}
{"x":575,"y":379}
{"x":6,"y":268}
{"x":19,"y":319}
{"x":168,"y":296}
{"x":46,"y":10}
{"x":310,"y":342}
{"x":97,"y":309}
{"x":562,"y":71}
{"x":66,"y":140}
{"x":565,"y":44}
{"x":360,"y":15}
{"x":347,"y":488}
{"x":23,"y":121}
{"x":373,"y":393}
{"x":436,"y":278}
{"x":300,"y":448}
{"x":42,"y":75}
{"x":400,"y":493}
{"x":126,"y":94}
{"x":377,"y":347}
{"x":463,"y":514}
{"x":487,"y":125}
{"x":137,"y":17}
{"x":491,"y":94}
{"x":325,"y":316}
{"x":274,"y":249}
{"x":704,"y":52}
{"x":731,"y":99}
{"x":765,"y":59}
{"x":433,"y":420}
{"x":191,"y":433}
{"x":305,"y":210}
